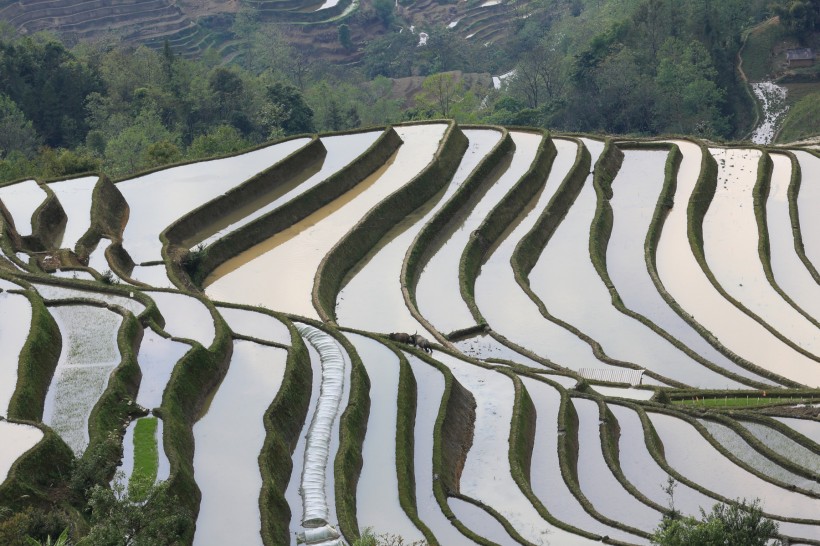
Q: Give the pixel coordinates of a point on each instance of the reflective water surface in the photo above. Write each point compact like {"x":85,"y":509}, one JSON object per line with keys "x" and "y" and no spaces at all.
{"x":226,"y":465}
{"x":283,"y":267}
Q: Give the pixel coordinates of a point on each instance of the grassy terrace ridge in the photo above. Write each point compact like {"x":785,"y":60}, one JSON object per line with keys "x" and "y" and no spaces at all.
{"x":655,"y":448}
{"x":283,"y":423}
{"x":504,"y":214}
{"x":794,"y":191}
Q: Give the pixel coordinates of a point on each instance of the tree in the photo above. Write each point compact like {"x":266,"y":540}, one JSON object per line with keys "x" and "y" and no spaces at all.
{"x":735,"y":524}
{"x":298,"y":115}
{"x":119,"y":520}
{"x":344,"y":36}
{"x":440,"y":93}
{"x":800,"y":17}
{"x":16,"y":132}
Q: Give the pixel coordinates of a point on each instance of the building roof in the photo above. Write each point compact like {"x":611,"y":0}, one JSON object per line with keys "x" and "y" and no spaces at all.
{"x":802,"y":54}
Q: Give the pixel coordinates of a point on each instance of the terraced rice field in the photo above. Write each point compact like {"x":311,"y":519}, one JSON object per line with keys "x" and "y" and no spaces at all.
{"x":460,"y":336}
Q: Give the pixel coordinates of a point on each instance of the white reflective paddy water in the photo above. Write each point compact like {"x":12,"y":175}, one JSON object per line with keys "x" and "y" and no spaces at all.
{"x":75,"y":198}
{"x":341,"y":151}
{"x":21,"y":200}
{"x":226,"y":464}
{"x":785,"y":446}
{"x":158,"y":199}
{"x":505,"y":306}
{"x":256,"y":325}
{"x":807,"y":201}
{"x":486,"y":476}
{"x":152,"y":275}
{"x":598,"y":483}
{"x":89,"y":355}
{"x":730,"y":240}
{"x":566,"y":281}
{"x":438,"y":292}
{"x":484,"y":347}
{"x":789,"y":271}
{"x":808,"y":428}
{"x":545,"y":474}
{"x":430,"y":389}
{"x":15,"y":322}
{"x":642,"y":471}
{"x":377,"y":493}
{"x":738,"y":447}
{"x":286,"y":263}
{"x":682,"y":276}
{"x":372,"y":299}
{"x":185,"y":316}
{"x":16,"y":439}
{"x":481,"y":523}
{"x":695,"y":458}
{"x":157,"y":357}
{"x":636,"y":190}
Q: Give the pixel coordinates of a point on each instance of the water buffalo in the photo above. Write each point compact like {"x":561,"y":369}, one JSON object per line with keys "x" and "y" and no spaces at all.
{"x":402,"y":338}
{"x":422,"y":343}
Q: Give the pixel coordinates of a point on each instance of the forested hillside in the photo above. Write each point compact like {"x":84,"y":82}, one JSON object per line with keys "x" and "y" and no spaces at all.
{"x":646,"y":67}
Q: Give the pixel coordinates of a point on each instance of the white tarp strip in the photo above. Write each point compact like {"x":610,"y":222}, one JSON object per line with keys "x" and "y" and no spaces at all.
{"x":317,"y":445}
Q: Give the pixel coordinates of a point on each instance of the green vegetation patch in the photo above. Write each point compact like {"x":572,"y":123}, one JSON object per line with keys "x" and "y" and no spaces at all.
{"x":146,"y":457}
{"x":802,"y":120}
{"x":758,"y":46}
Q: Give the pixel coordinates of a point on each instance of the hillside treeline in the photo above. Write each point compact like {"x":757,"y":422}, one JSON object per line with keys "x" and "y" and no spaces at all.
{"x":617,"y":66}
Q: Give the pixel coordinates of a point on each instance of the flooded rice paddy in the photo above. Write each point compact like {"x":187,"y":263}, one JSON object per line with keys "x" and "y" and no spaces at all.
{"x":89,"y":355}
{"x":788,"y":269}
{"x":566,"y":322}
{"x":15,"y":322}
{"x":377,"y":500}
{"x":16,"y":439}
{"x":225,"y":460}
{"x":159,"y":198}
{"x":75,"y":197}
{"x":730,"y":240}
{"x":21,"y":200}
{"x":303,"y":245}
{"x":686,"y":282}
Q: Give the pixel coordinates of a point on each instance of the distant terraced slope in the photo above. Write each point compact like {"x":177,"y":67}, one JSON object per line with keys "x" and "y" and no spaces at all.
{"x":596,"y":316}
{"x":191,"y":27}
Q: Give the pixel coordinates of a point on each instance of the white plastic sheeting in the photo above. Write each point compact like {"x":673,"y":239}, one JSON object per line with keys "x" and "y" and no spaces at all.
{"x":317,"y":447}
